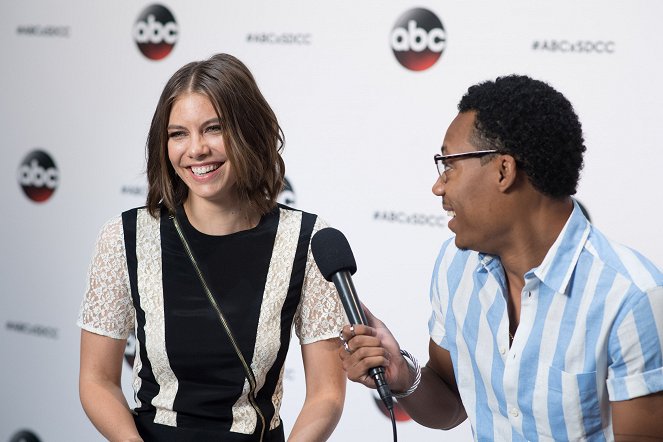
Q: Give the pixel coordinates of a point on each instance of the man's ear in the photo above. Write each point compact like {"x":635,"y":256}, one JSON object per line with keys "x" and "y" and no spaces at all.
{"x":508,"y":172}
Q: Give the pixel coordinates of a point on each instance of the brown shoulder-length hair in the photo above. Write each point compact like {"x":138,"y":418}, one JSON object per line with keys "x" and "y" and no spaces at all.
{"x":251,"y":133}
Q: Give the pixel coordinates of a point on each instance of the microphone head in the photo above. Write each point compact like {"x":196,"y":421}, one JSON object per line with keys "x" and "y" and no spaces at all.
{"x":332,"y":252}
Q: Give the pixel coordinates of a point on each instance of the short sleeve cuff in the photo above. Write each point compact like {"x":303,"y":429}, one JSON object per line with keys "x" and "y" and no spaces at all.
{"x":641,"y":384}
{"x":322,"y":337}
{"x":102,"y":332}
{"x":437,"y":332}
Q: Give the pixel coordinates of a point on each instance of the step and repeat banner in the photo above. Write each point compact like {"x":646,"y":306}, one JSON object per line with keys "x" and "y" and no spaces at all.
{"x":364,"y":92}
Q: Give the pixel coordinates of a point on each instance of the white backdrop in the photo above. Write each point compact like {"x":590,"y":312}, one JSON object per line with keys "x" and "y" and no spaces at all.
{"x":361,"y":130}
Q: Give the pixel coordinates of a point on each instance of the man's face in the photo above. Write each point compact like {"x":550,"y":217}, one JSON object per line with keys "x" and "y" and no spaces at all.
{"x":468,"y":192}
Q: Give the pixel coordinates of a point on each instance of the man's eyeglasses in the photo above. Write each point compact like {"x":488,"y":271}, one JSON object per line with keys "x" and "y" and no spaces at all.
{"x":441,"y":161}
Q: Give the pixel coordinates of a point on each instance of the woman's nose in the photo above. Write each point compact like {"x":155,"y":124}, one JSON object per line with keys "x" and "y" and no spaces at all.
{"x":198,"y":147}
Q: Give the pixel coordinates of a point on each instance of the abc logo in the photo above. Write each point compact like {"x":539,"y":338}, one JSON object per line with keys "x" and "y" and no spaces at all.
{"x":287,"y":195}
{"x":418,"y":39}
{"x":38,"y":176}
{"x":155,"y":32}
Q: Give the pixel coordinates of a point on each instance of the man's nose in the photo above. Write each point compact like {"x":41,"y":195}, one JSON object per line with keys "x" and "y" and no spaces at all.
{"x":439,"y":186}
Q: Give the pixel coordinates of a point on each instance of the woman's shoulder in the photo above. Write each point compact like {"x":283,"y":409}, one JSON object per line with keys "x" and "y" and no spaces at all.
{"x":114,"y":226}
{"x":287,"y":211}
{"x":141,"y":214}
{"x":134,"y":212}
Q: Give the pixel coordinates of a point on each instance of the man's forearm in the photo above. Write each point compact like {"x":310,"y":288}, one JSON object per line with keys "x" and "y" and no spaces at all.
{"x":434,"y":404}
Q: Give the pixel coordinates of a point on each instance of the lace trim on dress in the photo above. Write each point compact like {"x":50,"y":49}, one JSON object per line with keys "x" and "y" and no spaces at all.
{"x":277,"y":398}
{"x":150,"y":287}
{"x":137,"y":381}
{"x":107,"y":308}
{"x":268,"y":336}
{"x":320,"y":313}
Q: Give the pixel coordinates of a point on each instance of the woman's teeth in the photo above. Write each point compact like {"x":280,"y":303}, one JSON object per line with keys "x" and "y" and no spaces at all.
{"x":202,"y":170}
{"x":451,"y":213}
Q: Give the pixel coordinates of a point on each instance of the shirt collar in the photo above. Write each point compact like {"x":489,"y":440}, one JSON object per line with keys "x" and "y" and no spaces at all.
{"x":557,"y":267}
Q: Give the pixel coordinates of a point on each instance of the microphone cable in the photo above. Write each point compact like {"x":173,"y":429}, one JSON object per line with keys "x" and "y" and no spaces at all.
{"x":393,"y":423}
{"x":387,"y":398}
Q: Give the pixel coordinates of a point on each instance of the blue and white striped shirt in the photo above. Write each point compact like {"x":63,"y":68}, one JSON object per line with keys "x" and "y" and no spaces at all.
{"x":590,"y":332}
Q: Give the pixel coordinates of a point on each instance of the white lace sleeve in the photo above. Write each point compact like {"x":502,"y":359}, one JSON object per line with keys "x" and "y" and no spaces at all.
{"x":107,"y":308}
{"x":320,"y":314}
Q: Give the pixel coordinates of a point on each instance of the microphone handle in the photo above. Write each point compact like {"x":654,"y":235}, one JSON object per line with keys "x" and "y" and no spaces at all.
{"x":346,"y":290}
{"x":377,"y":373}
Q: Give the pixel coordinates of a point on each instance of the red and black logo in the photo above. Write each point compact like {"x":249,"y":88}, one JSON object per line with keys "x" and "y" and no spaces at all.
{"x":38,"y":176}
{"x":418,"y":39}
{"x":155,"y":32}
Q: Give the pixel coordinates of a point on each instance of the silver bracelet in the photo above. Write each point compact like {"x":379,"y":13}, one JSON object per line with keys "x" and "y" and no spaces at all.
{"x":413,"y":365}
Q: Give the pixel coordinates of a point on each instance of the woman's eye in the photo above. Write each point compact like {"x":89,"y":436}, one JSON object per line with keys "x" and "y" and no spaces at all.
{"x":213,"y":128}
{"x":176,"y":134}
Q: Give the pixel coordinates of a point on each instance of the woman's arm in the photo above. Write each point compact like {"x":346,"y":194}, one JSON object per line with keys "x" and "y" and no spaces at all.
{"x":325,"y":392}
{"x":100,"y":389}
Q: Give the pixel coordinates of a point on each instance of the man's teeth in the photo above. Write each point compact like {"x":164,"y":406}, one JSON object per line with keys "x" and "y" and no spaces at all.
{"x":202,"y":170}
{"x":451,"y":213}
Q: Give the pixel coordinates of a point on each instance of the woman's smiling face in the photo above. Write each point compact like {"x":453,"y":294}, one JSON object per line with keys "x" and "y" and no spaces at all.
{"x":197,"y":151}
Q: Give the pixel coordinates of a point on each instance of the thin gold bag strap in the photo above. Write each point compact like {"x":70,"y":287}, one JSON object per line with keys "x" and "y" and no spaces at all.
{"x":247,"y":368}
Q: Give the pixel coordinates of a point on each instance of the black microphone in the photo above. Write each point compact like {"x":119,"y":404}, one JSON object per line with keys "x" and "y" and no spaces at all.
{"x":334,"y":258}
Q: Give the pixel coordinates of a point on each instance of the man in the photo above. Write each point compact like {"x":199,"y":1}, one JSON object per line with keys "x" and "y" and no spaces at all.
{"x":541,"y":328}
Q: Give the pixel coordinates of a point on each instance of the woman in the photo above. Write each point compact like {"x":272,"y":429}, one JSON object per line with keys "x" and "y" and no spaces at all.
{"x":211,"y":275}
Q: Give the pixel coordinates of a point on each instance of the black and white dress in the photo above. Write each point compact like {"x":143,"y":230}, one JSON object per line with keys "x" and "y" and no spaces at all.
{"x":189,"y":383}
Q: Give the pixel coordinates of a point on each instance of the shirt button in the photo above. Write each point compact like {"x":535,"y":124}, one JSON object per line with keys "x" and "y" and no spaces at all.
{"x":503,"y":350}
{"x":514,"y":412}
